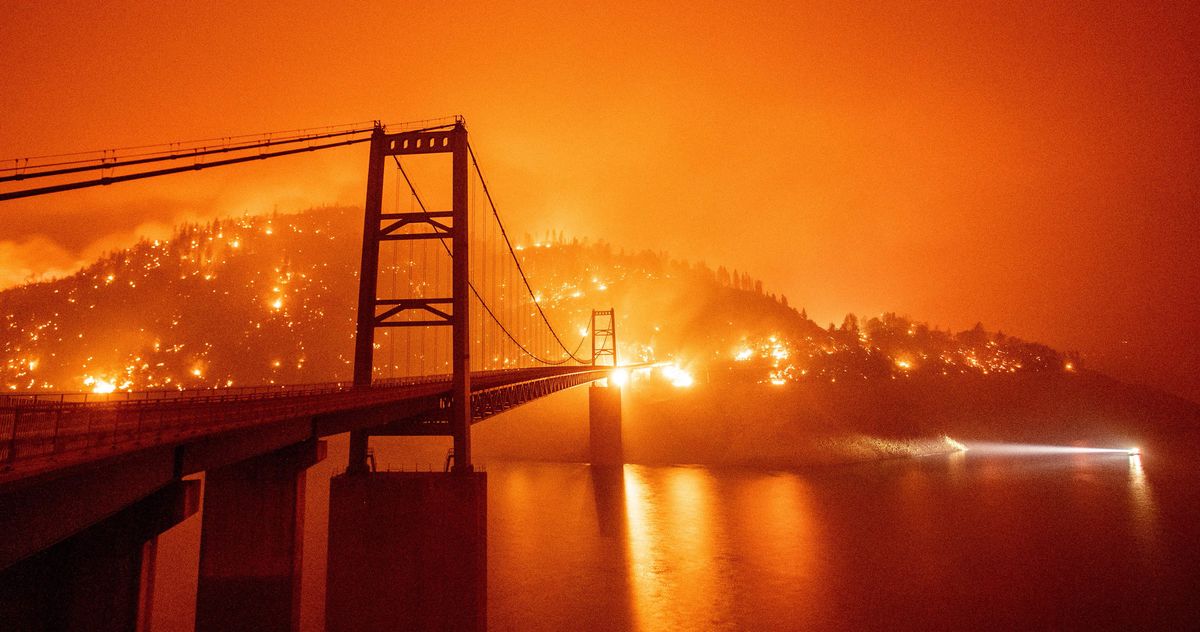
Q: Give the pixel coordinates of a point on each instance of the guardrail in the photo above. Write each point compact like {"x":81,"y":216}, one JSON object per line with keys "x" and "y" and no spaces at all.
{"x":205,"y":394}
{"x":37,"y":426}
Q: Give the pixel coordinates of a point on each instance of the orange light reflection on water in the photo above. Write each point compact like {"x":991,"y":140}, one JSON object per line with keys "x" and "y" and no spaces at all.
{"x":674,"y":569}
{"x":693,"y":546}
{"x":1141,"y":497}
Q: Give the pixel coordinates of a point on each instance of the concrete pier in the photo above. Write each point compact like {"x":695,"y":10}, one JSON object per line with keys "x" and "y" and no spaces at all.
{"x":604,"y":414}
{"x":251,"y":542}
{"x":100,"y":579}
{"x":407,"y":551}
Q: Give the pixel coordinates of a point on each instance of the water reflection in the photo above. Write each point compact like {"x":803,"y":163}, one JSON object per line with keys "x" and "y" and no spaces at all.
{"x":1139,"y":488}
{"x":608,"y":491}
{"x":778,"y":569}
{"x":1142,"y":499}
{"x":673,"y":564}
{"x":642,"y":572}
{"x":956,"y":466}
{"x":557,"y":556}
{"x":730,"y":550}
{"x":964,"y":541}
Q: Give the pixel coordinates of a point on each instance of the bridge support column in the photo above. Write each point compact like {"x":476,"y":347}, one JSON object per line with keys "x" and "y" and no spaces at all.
{"x":407,"y":551}
{"x":604,"y":417}
{"x":101,"y":578}
{"x":250,"y":542}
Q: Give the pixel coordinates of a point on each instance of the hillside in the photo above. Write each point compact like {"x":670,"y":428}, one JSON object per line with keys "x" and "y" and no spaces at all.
{"x":258,"y":300}
{"x":270,"y":300}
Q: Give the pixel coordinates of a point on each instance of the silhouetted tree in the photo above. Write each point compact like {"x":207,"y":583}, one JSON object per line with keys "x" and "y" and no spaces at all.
{"x":977,"y":336}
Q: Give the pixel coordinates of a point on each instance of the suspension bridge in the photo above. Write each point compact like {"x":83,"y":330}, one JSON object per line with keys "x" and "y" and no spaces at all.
{"x":88,"y":480}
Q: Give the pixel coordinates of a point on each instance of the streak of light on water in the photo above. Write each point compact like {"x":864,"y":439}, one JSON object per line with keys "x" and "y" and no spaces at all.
{"x":1017,"y":449}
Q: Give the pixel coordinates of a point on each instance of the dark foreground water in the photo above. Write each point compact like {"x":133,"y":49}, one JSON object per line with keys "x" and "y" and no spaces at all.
{"x":964,"y":541}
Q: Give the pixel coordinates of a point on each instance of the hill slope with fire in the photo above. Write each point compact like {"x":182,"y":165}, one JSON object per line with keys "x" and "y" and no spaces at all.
{"x":271,"y":299}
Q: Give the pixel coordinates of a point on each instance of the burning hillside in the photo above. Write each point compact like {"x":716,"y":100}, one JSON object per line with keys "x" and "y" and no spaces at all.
{"x":279,"y":293}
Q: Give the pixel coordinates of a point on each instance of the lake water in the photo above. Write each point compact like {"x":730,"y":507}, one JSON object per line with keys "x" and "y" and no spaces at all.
{"x":960,"y":541}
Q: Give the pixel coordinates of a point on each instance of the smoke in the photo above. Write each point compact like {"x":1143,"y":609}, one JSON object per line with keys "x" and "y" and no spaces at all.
{"x":40,"y":258}
{"x":51,"y":237}
{"x":36,"y":258}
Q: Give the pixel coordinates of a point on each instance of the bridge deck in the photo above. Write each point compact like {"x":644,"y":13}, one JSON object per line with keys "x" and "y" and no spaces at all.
{"x":44,"y":432}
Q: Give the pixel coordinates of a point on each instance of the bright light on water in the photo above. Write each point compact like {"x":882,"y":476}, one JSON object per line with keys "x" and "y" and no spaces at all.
{"x":957,"y":445}
{"x":1033,"y":449}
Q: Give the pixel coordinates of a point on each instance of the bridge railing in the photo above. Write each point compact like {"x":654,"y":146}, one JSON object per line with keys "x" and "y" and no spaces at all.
{"x":47,"y":425}
{"x":71,"y":425}
{"x":203,"y":394}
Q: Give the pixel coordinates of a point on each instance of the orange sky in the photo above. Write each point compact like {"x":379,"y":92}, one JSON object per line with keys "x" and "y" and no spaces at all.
{"x":1033,"y":167}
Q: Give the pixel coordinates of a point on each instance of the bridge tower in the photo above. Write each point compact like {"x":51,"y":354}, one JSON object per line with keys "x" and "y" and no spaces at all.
{"x":409,"y":549}
{"x":604,"y":336}
{"x":452,"y":311}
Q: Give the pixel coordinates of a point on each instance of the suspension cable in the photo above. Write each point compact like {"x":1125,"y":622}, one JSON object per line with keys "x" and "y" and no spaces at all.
{"x":22,"y":169}
{"x":516,"y":260}
{"x":104,"y":162}
{"x":487,"y":308}
{"x":170,"y":170}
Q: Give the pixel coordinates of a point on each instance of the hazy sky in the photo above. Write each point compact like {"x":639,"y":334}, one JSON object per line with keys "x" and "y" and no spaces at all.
{"x":1033,"y":166}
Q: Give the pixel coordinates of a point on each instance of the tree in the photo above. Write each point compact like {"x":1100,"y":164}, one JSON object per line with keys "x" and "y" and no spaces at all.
{"x":850,"y":323}
{"x":977,"y":336}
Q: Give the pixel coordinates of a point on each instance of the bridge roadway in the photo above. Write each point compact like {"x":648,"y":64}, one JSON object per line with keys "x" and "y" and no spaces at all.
{"x":69,"y":460}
